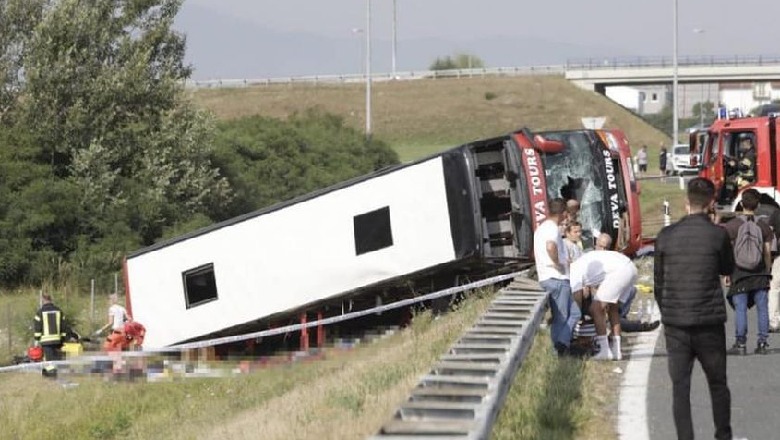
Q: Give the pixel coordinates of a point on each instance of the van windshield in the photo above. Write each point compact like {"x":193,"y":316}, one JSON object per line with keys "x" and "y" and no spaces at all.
{"x":682,"y":149}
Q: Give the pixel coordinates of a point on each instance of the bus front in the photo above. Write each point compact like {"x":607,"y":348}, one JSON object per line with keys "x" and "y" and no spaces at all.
{"x":594,"y":167}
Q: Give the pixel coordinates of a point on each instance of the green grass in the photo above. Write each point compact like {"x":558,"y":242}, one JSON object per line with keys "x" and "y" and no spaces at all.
{"x":355,"y":390}
{"x":420,"y":117}
{"x":345,"y":395}
{"x":651,"y":201}
{"x":17,"y":309}
{"x":558,"y":398}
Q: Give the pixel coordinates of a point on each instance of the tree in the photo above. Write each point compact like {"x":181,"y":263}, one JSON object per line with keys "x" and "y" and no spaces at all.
{"x":458,"y":61}
{"x":268,"y":160}
{"x":703,"y":111}
{"x":17,"y":20}
{"x":100,"y":149}
{"x":103,"y":87}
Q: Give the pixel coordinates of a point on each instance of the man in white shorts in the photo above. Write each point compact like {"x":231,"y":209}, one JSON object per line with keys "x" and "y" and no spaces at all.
{"x":608,"y":277}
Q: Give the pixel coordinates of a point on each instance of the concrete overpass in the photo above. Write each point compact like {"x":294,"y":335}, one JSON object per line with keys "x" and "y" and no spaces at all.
{"x":597,"y":75}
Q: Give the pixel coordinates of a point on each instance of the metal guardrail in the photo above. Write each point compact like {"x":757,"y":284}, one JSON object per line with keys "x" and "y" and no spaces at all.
{"x":294,"y":327}
{"x":552,"y":69}
{"x":683,"y":61}
{"x":464,"y":391}
{"x":399,"y":76}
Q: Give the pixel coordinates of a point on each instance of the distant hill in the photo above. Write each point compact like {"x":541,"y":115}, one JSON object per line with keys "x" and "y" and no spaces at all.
{"x":221,"y":46}
{"x":418,"y":117}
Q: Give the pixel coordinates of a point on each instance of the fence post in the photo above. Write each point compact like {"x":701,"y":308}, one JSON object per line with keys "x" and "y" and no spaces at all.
{"x":91,"y":305}
{"x":667,"y":214}
{"x":10,"y":338}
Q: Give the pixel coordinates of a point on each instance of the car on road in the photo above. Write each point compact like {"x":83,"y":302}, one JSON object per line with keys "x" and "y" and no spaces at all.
{"x":680,"y":160}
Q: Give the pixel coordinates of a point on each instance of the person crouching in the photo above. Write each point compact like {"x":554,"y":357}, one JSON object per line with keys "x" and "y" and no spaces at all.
{"x":608,"y":277}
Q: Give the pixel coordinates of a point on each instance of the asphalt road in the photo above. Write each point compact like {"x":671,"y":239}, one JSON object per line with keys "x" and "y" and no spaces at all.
{"x":754,"y":381}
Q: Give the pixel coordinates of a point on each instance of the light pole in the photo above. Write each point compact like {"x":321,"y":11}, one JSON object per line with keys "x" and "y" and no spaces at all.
{"x":358,"y":32}
{"x":700,"y":31}
{"x":675,"y":122}
{"x":395,"y":33}
{"x":368,"y":69}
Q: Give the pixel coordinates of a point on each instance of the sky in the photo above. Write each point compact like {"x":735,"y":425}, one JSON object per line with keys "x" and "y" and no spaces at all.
{"x":252,"y":39}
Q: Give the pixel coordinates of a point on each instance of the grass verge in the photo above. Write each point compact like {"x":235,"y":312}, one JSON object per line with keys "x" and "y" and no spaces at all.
{"x":651,"y":202}
{"x":559,"y":398}
{"x":347,"y":395}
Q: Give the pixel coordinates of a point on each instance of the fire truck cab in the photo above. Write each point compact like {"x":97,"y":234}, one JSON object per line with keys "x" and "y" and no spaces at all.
{"x":737,"y":154}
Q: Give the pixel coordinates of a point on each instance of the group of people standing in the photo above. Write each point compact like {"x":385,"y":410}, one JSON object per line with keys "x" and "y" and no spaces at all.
{"x":641,"y":159}
{"x":598,"y":282}
{"x":695,"y":259}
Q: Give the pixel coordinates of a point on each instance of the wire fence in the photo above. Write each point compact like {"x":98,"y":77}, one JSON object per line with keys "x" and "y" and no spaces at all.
{"x":84,"y":307}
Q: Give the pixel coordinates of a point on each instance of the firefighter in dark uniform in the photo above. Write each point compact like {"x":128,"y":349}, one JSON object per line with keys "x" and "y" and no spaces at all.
{"x":746,"y":167}
{"x":741,"y":170}
{"x":50,"y":332}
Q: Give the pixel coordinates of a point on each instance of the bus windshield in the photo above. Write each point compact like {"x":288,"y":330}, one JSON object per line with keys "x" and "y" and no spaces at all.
{"x":586,"y":171}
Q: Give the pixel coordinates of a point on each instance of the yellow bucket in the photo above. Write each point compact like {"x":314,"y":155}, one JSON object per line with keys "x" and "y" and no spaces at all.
{"x":72,"y":349}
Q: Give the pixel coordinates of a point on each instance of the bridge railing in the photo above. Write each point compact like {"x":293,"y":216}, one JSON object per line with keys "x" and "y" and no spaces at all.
{"x":664,"y":61}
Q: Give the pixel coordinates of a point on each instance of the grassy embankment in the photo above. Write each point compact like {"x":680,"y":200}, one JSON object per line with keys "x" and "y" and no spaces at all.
{"x":351,"y":394}
{"x":421,"y":117}
{"x":346,"y":396}
{"x":418,"y":118}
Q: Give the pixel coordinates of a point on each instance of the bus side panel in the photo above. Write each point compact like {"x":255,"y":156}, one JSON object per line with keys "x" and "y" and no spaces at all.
{"x":377,"y":230}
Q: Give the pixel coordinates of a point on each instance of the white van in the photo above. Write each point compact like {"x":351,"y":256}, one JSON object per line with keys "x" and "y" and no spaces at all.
{"x":679,"y":160}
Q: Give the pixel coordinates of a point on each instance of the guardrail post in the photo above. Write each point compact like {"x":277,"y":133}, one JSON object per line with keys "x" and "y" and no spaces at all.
{"x":304,"y":334}
{"x":320,"y":331}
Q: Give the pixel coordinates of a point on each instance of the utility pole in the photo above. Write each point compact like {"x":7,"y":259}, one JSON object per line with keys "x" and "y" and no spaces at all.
{"x":675,"y":114}
{"x":368,"y":69}
{"x":395,"y":35}
{"x":700,"y":31}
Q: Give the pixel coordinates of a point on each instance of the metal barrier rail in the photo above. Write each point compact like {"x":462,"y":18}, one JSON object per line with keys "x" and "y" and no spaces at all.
{"x":399,"y":76}
{"x":684,"y":61}
{"x":294,"y":327}
{"x":463,"y":393}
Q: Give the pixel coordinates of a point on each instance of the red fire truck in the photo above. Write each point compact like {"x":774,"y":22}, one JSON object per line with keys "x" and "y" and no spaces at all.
{"x":721,"y":158}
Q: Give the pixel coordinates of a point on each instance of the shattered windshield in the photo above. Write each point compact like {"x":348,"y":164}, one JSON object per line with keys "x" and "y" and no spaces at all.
{"x":574,"y":174}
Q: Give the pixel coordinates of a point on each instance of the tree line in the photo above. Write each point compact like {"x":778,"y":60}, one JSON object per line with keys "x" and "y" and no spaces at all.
{"x":102,"y":152}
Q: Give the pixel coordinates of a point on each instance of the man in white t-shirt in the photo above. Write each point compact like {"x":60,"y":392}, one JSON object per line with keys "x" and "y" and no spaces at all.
{"x":609,"y":276}
{"x":117,"y":315}
{"x":552,"y":268}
